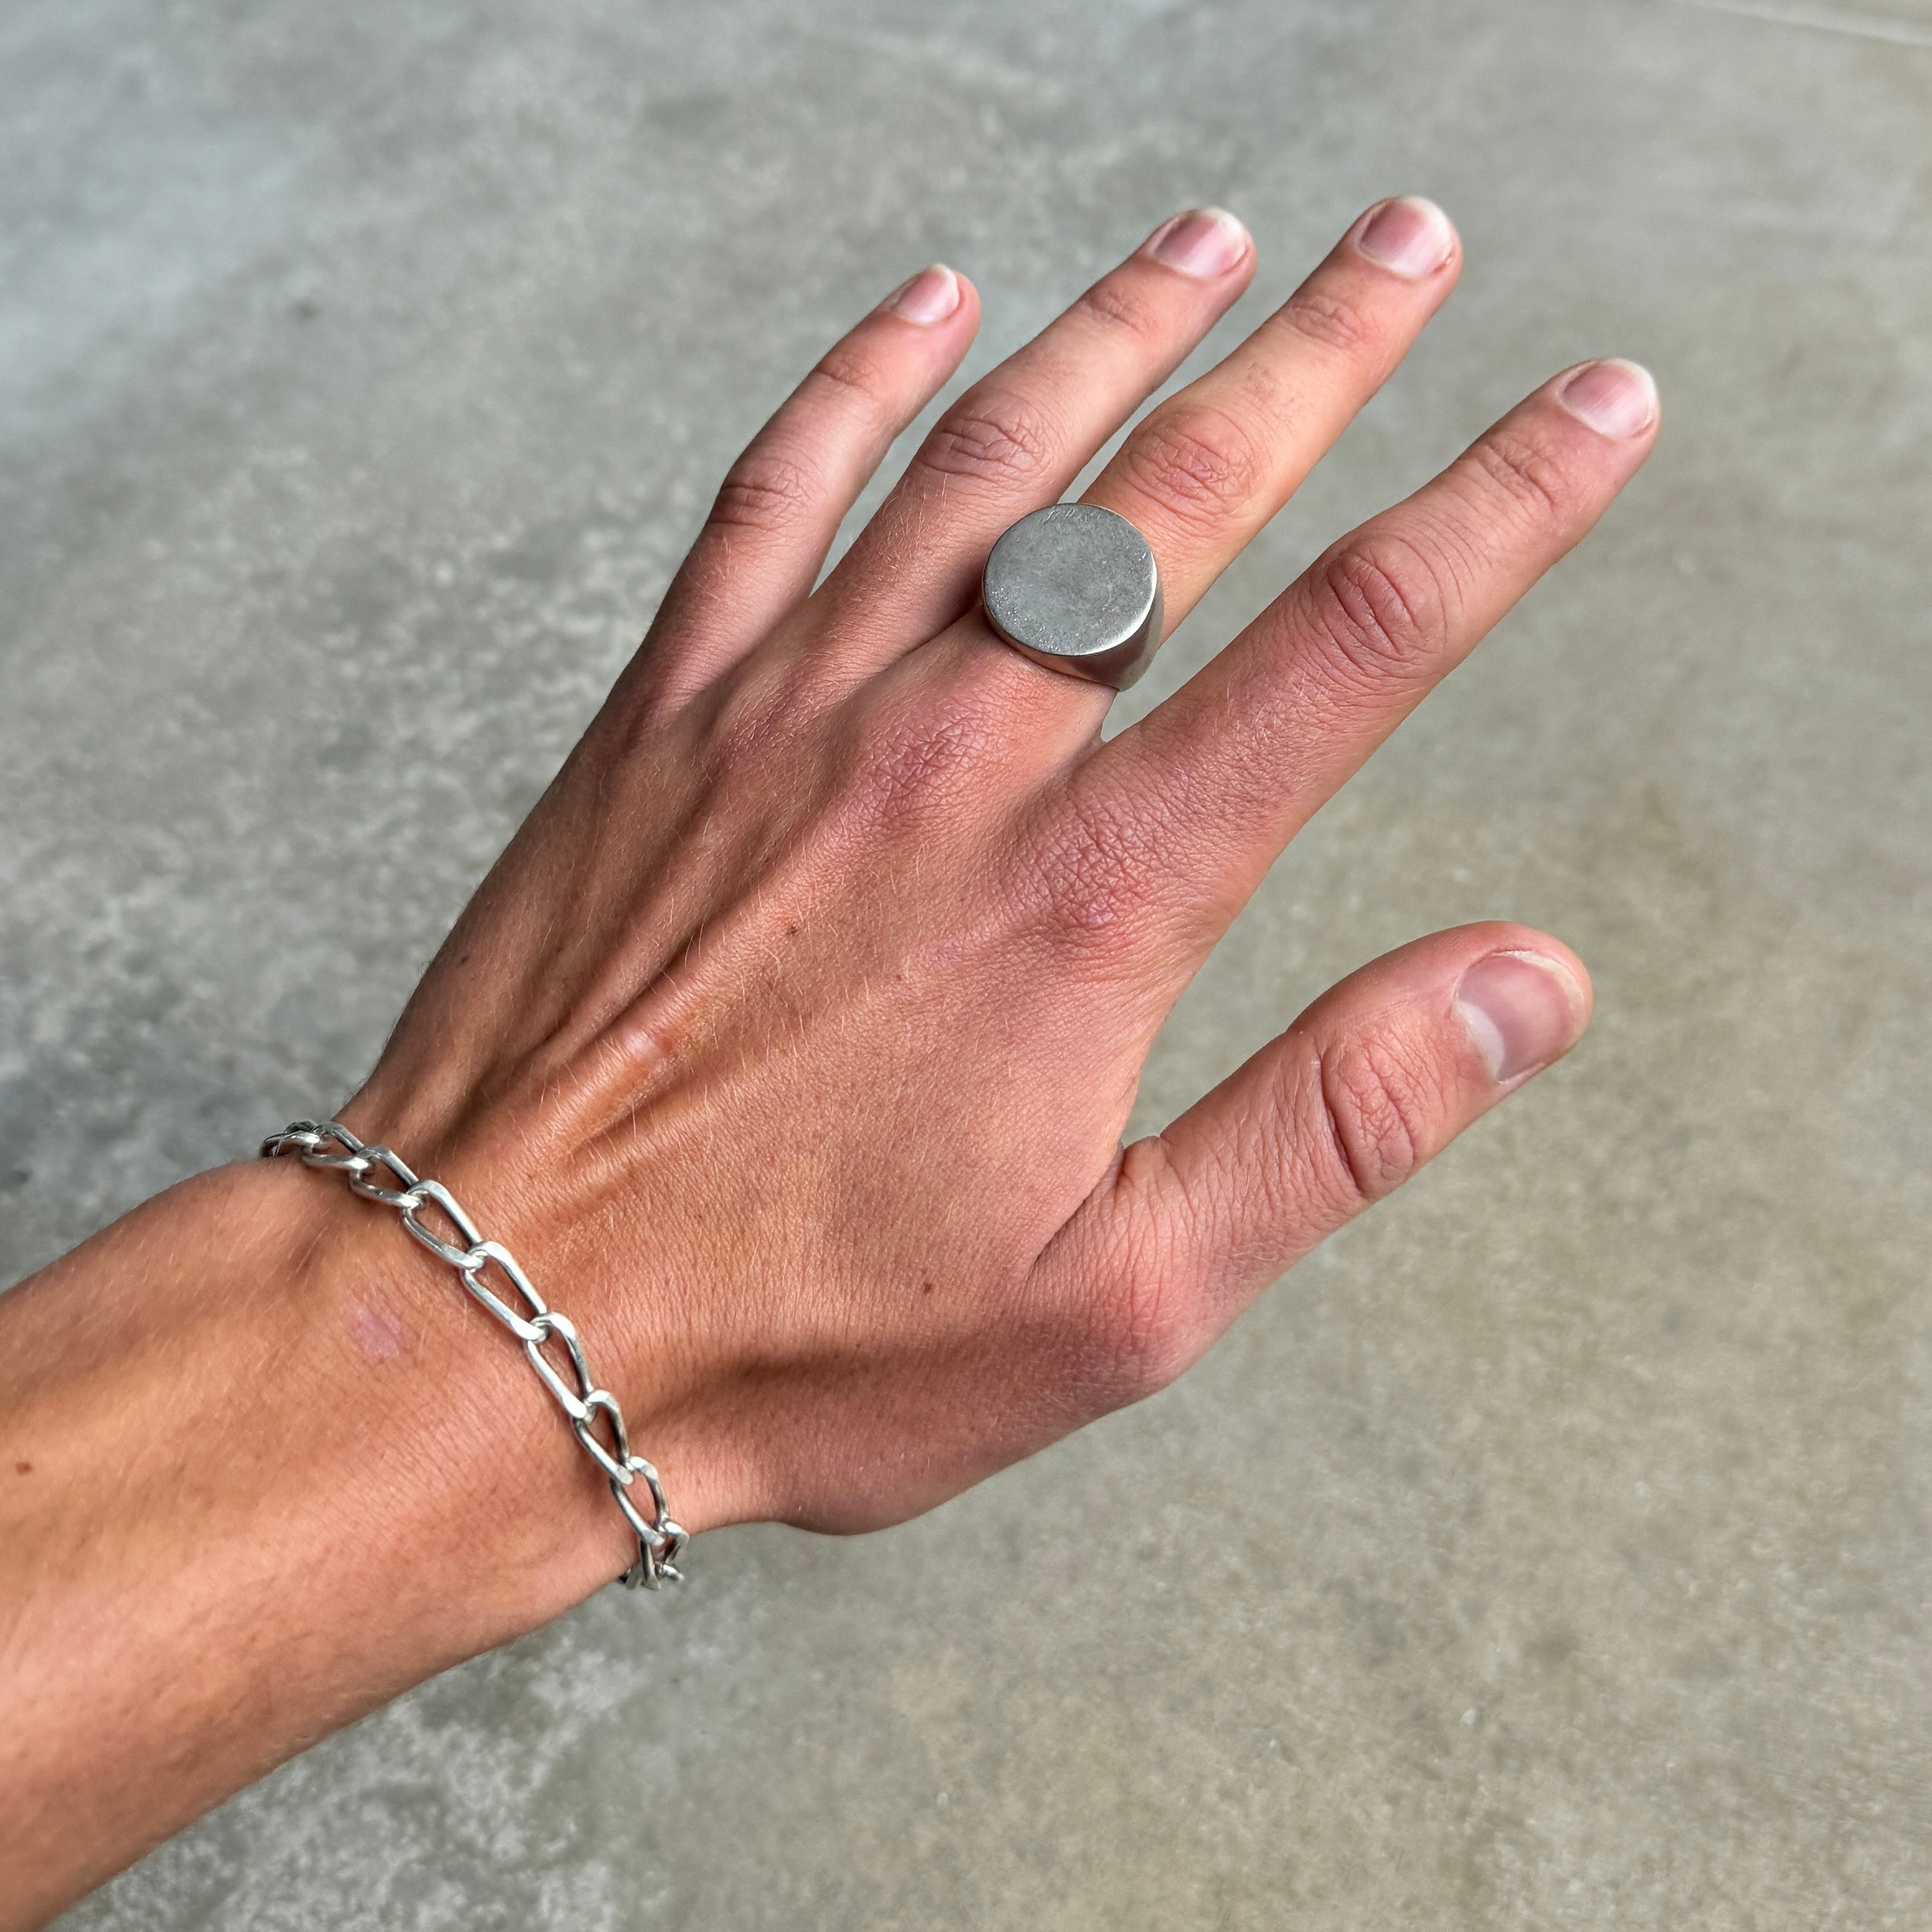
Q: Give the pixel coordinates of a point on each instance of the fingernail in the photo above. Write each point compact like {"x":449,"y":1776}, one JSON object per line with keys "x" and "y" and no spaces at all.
{"x":930,"y":296}
{"x":1617,"y":399}
{"x":1521,"y":1010}
{"x":1205,"y":242}
{"x":1409,"y":236}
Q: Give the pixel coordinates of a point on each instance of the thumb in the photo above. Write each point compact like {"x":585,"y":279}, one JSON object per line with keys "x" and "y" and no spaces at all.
{"x":1375,"y":1078}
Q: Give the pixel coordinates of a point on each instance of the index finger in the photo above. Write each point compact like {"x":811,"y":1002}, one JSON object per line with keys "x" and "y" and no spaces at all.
{"x":1220,"y":776}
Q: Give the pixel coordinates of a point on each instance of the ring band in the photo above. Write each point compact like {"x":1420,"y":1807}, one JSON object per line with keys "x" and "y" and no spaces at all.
{"x":1075,"y":588}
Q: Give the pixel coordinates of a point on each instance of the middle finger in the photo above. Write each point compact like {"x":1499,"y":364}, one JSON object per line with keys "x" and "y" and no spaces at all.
{"x":1210,"y":467}
{"x":1021,"y":433}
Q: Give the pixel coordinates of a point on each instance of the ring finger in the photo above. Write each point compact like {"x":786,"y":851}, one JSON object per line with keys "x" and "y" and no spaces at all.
{"x":1021,"y":433}
{"x":1210,"y":467}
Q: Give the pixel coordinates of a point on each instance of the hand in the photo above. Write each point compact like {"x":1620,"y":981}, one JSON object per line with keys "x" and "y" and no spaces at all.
{"x":790,"y":1044}
{"x":789,"y":1047}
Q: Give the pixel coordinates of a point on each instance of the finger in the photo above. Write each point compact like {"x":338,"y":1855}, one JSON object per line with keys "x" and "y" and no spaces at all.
{"x":1370,"y":1083}
{"x":1018,"y":437}
{"x":1215,"y":780}
{"x":764,"y":542}
{"x":1212,"y":464}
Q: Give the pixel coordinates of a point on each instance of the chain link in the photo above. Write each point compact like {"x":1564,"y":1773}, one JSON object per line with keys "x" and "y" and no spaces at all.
{"x":368,"y":1168}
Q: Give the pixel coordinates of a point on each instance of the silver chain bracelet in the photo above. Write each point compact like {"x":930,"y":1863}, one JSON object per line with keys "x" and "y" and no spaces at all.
{"x":660,"y":1542}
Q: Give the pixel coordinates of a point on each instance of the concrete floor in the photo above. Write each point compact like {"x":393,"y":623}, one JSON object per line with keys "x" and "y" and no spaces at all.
{"x":1554,"y":1549}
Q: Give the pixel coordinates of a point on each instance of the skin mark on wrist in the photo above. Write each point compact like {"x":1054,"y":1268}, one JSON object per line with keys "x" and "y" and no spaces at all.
{"x":379,"y":1334}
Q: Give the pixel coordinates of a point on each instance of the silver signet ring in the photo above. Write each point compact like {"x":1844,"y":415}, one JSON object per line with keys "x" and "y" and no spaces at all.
{"x":1074,"y":587}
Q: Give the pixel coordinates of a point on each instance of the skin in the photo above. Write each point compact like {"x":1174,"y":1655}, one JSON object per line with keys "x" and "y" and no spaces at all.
{"x":789,"y":1046}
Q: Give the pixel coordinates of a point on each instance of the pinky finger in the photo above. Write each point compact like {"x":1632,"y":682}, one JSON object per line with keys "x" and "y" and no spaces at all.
{"x":1371,"y":1082}
{"x":765,"y":538}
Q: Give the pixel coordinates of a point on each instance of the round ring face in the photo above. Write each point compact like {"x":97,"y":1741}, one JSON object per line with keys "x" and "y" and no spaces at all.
{"x":1074,"y":586}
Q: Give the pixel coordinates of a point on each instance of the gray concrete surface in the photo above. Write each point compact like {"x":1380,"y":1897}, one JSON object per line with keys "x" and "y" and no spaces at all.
{"x":1553,"y":1551}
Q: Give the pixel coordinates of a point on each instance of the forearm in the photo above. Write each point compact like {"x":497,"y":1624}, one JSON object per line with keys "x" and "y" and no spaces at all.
{"x":260,"y":1470}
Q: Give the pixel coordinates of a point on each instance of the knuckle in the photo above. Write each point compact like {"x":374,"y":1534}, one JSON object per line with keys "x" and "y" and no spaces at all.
{"x":766,"y":492}
{"x":920,"y":769}
{"x":1378,"y":1108}
{"x":1524,"y":475}
{"x":1330,"y":322}
{"x":1382,"y":605}
{"x":1117,"y":305}
{"x":1198,"y":465}
{"x":995,"y":437}
{"x":743,"y":720}
{"x":850,"y":374}
{"x":913,"y":760}
{"x":1091,"y":869}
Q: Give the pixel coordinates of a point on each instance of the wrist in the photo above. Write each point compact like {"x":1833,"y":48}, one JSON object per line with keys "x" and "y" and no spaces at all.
{"x":322,"y":1478}
{"x":593,"y":1253}
{"x":467,"y":1475}
{"x":354,"y":1416}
